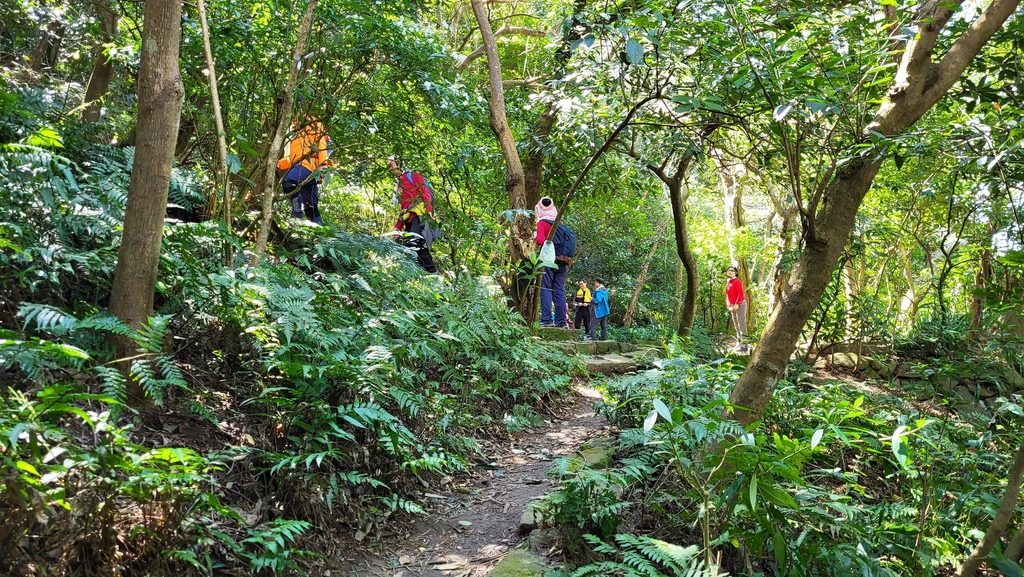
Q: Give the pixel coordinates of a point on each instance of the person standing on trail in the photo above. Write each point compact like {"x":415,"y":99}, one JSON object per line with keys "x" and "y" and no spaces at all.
{"x":416,"y":200}
{"x":584,"y":310}
{"x":601,"y":309}
{"x":305,"y":154}
{"x":552,"y":283}
{"x":736,"y":302}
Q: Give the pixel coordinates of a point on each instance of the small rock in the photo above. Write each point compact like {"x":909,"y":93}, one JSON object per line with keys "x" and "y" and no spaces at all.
{"x":405,"y":560}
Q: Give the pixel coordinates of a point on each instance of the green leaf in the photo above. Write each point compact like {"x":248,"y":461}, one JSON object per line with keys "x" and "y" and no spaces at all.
{"x":652,"y":418}
{"x":777,"y":496}
{"x":634,"y":51}
{"x":816,"y":438}
{"x":753,"y":493}
{"x":781,"y":111}
{"x":779,"y":545}
{"x":899,"y":446}
{"x":45,"y":137}
{"x":663,"y":410}
{"x":234,"y":163}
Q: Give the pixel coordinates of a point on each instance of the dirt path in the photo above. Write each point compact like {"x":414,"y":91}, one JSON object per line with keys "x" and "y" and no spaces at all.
{"x":471,"y":526}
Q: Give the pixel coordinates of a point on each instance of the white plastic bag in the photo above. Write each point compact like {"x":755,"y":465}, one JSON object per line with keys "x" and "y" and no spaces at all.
{"x":547,"y":254}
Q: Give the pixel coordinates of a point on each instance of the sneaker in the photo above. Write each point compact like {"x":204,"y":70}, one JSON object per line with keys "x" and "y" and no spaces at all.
{"x":547,"y":324}
{"x":561,"y":326}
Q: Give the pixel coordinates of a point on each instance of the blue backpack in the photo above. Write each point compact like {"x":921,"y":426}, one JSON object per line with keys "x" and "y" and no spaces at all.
{"x":564,"y":241}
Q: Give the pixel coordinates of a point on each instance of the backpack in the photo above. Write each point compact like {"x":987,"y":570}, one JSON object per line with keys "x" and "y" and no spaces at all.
{"x":427,"y":191}
{"x":565,"y":243}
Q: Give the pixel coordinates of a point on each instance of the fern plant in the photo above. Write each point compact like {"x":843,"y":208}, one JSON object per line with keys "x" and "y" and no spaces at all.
{"x":641,"y":556}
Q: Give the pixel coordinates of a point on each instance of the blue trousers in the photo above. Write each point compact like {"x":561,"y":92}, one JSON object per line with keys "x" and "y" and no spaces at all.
{"x":305,"y":197}
{"x":552,"y":291}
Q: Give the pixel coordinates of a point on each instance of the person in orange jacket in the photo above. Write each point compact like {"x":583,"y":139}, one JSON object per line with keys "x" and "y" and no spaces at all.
{"x":304,"y":155}
{"x":416,"y":201}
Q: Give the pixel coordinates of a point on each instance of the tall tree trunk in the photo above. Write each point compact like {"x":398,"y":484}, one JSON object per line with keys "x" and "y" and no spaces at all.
{"x":678,"y":293}
{"x":159,"y":111}
{"x":981,"y":278}
{"x":731,"y":173}
{"x":851,"y":290}
{"x":521,"y":244}
{"x":44,"y":54}
{"x":627,"y":321}
{"x":283,"y":122}
{"x":103,"y":68}
{"x":222,"y":145}
{"x":683,"y":250}
{"x":533,"y":176}
{"x":918,"y":85}
{"x":1002,"y":519}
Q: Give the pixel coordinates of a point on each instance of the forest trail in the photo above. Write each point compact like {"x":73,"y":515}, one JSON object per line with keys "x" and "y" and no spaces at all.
{"x":474,"y":522}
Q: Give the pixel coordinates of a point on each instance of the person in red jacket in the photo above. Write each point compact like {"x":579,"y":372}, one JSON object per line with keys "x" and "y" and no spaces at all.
{"x":736,"y":302}
{"x":416,"y":202}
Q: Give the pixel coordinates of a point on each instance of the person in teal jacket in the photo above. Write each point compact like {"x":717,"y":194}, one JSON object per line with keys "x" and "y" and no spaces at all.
{"x":601,"y":308}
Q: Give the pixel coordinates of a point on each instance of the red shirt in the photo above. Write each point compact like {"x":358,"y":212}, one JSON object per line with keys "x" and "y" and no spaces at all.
{"x":543,"y":228}
{"x":734,"y":292}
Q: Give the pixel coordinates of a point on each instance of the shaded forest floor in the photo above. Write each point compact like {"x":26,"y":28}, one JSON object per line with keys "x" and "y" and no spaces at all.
{"x":473,"y":522}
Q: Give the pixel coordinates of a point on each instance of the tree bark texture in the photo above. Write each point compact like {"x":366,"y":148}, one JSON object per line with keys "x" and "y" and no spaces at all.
{"x":627,"y":321}
{"x":678,"y":201}
{"x":521,"y":244}
{"x":222,"y":145}
{"x":103,"y":68}
{"x":159,"y":109}
{"x":1002,"y":519}
{"x":919,"y":83}
{"x":731,"y":173}
{"x":283,"y":122}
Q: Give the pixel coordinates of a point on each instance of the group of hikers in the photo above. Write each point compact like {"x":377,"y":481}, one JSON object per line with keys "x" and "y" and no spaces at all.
{"x":591,"y":308}
{"x":309,"y":150}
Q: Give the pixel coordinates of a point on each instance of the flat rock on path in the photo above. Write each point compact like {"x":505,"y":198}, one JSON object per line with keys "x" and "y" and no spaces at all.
{"x":472,"y":526}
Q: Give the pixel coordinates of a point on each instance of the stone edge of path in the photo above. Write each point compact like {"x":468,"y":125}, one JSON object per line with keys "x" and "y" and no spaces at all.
{"x":526,"y":560}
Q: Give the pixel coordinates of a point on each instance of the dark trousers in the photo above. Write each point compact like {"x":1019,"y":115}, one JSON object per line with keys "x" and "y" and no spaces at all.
{"x":603,"y":323}
{"x":552,"y":292}
{"x":423,"y":256}
{"x":305,"y":194}
{"x":585,"y":315}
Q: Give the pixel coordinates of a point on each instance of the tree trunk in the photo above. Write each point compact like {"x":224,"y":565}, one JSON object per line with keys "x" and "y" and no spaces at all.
{"x":642,"y":279}
{"x":678,"y":201}
{"x":981,"y":278}
{"x":918,"y":85}
{"x":159,"y":111}
{"x":679,"y":293}
{"x":222,"y":145}
{"x":731,"y":174}
{"x":103,"y":69}
{"x":521,"y":244}
{"x":533,"y":176}
{"x":283,"y":122}
{"x":44,"y":54}
{"x":1002,"y":519}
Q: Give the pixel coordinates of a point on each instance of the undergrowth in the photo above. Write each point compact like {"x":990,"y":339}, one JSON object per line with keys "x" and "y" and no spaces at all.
{"x":833,"y":481}
{"x":314,"y":394}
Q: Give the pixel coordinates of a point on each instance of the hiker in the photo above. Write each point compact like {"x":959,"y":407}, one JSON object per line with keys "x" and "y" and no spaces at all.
{"x":307,"y":152}
{"x":416,"y":200}
{"x":736,"y":302}
{"x":552,"y":283}
{"x":584,"y":310}
{"x":601,"y":309}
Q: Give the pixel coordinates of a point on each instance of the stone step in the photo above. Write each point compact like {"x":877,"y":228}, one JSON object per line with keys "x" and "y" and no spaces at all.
{"x":519,"y":563}
{"x":610,"y":364}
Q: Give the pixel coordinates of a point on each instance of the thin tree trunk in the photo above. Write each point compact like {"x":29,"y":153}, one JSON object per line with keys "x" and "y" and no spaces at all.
{"x":284,"y":121}
{"x":981,"y":279}
{"x":1015,"y":548}
{"x":918,"y":85}
{"x":521,"y":244}
{"x":685,"y":253}
{"x":46,"y":51}
{"x":627,"y":321}
{"x":731,"y":176}
{"x":1002,"y":519}
{"x":679,"y":292}
{"x":222,"y":145}
{"x":159,"y":111}
{"x":103,"y":69}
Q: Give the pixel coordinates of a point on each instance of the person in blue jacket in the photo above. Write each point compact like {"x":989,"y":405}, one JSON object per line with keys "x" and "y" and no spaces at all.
{"x":601,"y":309}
